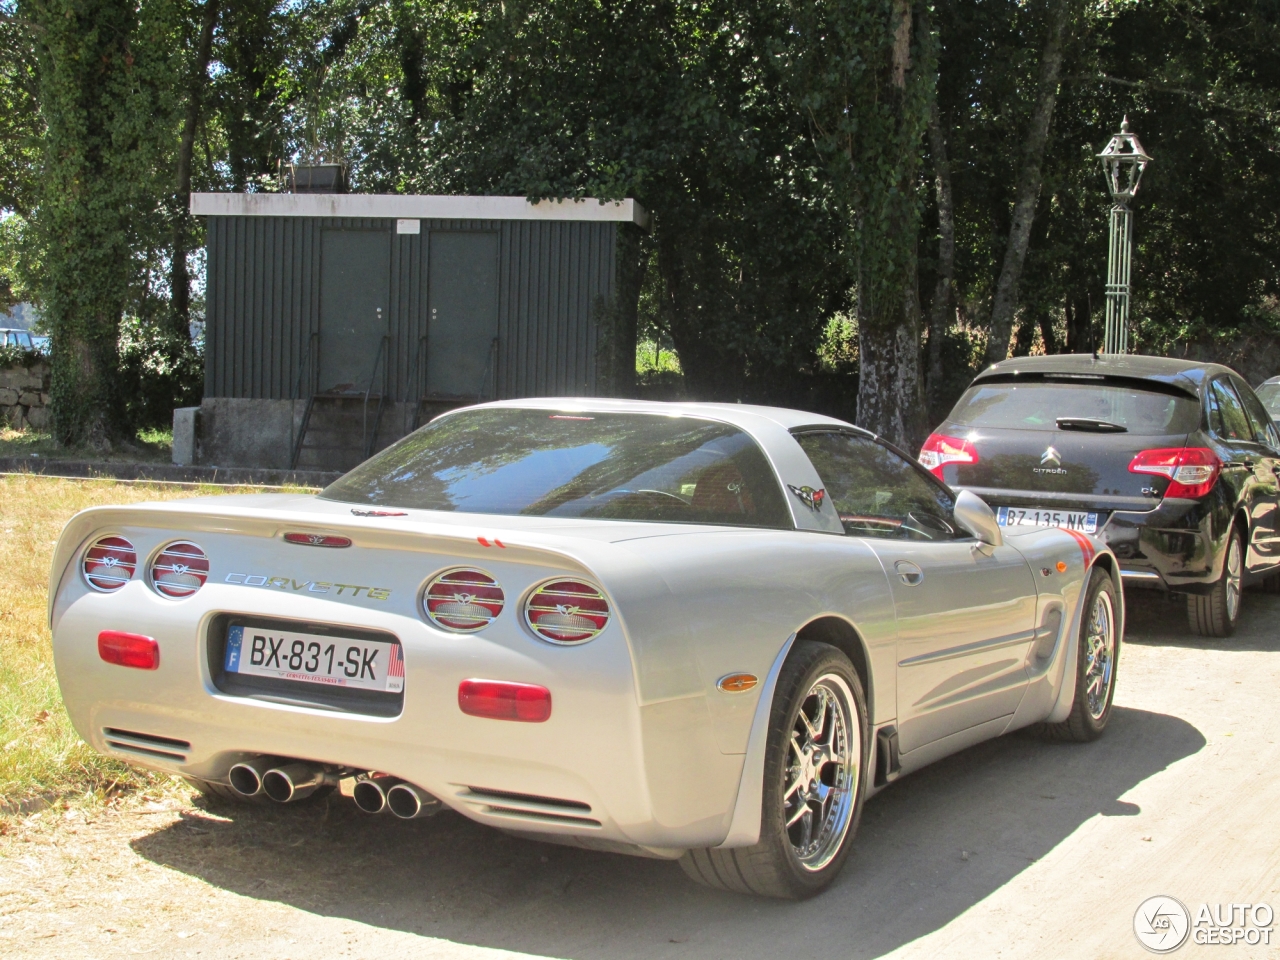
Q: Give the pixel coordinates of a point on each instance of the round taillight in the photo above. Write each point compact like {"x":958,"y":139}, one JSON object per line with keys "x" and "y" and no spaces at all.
{"x":179,"y":570}
{"x":463,"y":600}
{"x":567,"y":611}
{"x":109,"y":564}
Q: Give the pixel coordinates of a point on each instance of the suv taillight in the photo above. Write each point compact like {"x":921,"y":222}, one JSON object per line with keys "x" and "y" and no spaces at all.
{"x":109,"y":564}
{"x":939,"y":450}
{"x":567,"y":611}
{"x":179,"y":570}
{"x":1192,"y":471}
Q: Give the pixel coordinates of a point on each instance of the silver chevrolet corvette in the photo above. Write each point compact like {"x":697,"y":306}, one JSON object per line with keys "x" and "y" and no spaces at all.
{"x":701,"y":632}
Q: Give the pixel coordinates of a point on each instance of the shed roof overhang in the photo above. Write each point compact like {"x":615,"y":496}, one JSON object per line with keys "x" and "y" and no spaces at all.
{"x":413,"y":207}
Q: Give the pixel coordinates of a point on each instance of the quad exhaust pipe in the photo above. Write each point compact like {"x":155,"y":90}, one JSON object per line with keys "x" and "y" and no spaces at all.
{"x":409,"y":802}
{"x":246,"y":777}
{"x":287,"y":781}
{"x":371,"y":795}
{"x":406,"y":801}
{"x":277,"y":779}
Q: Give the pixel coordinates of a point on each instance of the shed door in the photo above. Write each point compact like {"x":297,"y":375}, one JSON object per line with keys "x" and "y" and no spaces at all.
{"x":355,"y":282}
{"x":462,"y":328}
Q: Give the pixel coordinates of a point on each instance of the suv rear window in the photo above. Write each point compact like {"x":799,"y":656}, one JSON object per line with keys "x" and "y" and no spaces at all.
{"x":606,"y":466}
{"x":1037,"y":405}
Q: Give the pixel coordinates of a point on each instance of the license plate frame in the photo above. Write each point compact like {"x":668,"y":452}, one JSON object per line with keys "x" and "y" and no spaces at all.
{"x":387,"y":701}
{"x":1084,"y":521}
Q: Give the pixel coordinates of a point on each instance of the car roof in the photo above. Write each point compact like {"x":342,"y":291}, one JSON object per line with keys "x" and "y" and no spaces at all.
{"x":1187,"y":374}
{"x":745,"y":416}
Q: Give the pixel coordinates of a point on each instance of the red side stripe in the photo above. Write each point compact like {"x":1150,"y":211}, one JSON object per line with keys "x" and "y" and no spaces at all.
{"x":1086,"y":546}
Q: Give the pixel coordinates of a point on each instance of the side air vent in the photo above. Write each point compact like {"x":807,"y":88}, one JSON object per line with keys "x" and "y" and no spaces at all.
{"x":527,"y":807}
{"x":146,"y":744}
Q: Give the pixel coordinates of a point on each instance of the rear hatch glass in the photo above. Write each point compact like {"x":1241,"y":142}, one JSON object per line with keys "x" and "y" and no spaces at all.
{"x":1065,"y":437}
{"x":548,"y":463}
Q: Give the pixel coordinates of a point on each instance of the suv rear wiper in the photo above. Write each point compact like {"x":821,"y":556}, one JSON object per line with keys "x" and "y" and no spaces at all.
{"x":1088,"y":423}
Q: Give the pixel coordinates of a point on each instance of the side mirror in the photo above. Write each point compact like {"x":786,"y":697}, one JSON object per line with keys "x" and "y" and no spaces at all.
{"x":974,"y":516}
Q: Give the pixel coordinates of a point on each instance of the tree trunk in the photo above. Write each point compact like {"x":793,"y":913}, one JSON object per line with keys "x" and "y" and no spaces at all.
{"x":1028,"y":185}
{"x":889,"y":379}
{"x":940,"y":309}
{"x":85,"y":206}
{"x":890,"y":398}
{"x":179,"y":276}
{"x":1046,"y":332}
{"x":1079,"y":338}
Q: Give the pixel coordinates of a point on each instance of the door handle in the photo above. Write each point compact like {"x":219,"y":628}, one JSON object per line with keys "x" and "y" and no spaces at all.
{"x":909,"y":573}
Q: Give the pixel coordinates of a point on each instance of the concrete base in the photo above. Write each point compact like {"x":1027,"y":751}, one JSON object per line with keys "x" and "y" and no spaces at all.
{"x":237,"y":432}
{"x":184,"y":435}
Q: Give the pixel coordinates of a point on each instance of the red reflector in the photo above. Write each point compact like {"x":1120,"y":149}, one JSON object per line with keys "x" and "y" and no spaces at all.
{"x":179,"y":570}
{"x":1192,"y":471}
{"x":316,"y":540}
{"x":939,"y":450}
{"x":129,"y":649}
{"x":501,"y":700}
{"x":109,"y":564}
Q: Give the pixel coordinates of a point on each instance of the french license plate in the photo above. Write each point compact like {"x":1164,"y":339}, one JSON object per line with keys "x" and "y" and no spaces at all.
{"x":308,"y":658}
{"x":1067,"y":519}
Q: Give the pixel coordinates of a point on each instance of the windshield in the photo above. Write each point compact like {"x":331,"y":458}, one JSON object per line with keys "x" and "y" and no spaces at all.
{"x":1038,"y":406}
{"x":607,"y":466}
{"x":1269,"y":394}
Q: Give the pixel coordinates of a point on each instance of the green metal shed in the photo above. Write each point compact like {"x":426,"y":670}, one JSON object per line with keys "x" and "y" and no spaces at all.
{"x":336,"y":323}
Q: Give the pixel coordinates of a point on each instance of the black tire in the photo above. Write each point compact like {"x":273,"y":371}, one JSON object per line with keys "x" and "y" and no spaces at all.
{"x":772,"y":867}
{"x":221,"y":793}
{"x":1089,"y":714}
{"x":1215,"y":614}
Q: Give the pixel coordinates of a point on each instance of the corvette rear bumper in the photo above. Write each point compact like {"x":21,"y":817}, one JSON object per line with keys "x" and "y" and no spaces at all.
{"x":590,"y":768}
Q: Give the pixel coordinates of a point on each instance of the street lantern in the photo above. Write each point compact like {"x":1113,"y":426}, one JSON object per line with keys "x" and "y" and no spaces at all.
{"x":1123,"y":163}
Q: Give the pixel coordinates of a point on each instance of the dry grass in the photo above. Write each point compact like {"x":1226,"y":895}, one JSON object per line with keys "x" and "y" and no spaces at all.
{"x":42,"y":758}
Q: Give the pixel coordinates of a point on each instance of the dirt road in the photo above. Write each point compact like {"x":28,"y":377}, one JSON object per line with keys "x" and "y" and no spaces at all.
{"x":1016,"y":848}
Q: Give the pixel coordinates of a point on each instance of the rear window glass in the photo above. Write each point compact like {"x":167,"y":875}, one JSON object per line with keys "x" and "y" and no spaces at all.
{"x":1038,"y":405}
{"x":606,"y":466}
{"x":1269,"y":394}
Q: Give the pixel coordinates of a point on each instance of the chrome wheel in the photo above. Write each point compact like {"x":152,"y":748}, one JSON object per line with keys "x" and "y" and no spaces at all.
{"x":1100,"y":655}
{"x":821,"y":779}
{"x":1235,"y":566}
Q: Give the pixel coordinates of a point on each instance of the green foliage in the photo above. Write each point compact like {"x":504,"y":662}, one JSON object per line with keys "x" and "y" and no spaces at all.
{"x":159,"y":370}
{"x":778,"y":144}
{"x":1199,"y":83}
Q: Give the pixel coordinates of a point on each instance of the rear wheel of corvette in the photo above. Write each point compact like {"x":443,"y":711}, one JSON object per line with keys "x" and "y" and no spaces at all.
{"x":813,"y":783}
{"x":1095,"y":665}
{"x":1214,"y":614}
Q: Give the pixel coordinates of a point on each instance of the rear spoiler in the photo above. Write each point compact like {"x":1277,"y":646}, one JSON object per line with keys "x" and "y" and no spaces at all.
{"x":1186,"y":389}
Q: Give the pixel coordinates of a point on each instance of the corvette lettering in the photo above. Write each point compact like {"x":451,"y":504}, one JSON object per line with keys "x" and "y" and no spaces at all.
{"x":309,"y":586}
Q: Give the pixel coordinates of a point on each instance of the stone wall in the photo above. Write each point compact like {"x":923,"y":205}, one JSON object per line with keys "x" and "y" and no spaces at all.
{"x":24,"y":396}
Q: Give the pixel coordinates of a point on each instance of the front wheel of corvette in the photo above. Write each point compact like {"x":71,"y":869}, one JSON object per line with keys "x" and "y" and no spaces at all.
{"x":1095,"y":665}
{"x":814,"y":772}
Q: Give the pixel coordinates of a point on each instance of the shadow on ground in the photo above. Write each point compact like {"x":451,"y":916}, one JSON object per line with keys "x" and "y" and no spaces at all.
{"x":1158,"y":620}
{"x":930,"y":846}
